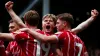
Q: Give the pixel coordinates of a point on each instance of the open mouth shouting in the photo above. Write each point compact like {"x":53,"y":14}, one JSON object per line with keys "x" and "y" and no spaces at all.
{"x":48,"y":27}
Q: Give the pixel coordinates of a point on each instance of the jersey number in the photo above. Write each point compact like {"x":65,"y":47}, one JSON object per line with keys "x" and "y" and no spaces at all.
{"x":80,"y":48}
{"x":46,"y":49}
{"x":38,"y":47}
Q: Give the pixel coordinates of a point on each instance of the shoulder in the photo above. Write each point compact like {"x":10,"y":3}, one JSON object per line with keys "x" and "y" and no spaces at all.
{"x":39,"y":31}
{"x":58,"y":32}
{"x":42,"y":32}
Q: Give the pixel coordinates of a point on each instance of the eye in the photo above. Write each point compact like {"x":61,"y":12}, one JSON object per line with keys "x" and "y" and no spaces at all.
{"x":45,"y":20}
{"x":11,"y":27}
{"x":57,"y":22}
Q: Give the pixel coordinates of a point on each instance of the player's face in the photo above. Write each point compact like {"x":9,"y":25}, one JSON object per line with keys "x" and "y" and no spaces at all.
{"x":48,"y":25}
{"x":60,"y":25}
{"x":13,"y":27}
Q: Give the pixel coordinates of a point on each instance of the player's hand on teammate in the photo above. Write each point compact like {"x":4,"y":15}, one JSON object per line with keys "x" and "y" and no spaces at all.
{"x":9,"y":5}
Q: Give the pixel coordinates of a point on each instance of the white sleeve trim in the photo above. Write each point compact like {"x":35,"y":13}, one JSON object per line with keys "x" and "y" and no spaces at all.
{"x":13,"y":36}
{"x":57,"y":38}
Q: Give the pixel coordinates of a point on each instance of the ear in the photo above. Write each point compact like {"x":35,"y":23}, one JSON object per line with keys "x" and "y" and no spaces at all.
{"x":65,"y":23}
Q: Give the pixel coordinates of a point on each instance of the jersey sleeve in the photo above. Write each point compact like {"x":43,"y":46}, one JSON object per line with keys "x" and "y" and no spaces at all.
{"x":60,"y":35}
{"x":21,"y":36}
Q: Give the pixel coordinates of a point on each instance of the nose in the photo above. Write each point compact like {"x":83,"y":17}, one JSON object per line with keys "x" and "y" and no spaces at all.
{"x":48,"y":22}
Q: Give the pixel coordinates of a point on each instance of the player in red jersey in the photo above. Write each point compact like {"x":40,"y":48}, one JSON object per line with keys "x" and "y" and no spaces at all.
{"x":12,"y":28}
{"x":48,"y":25}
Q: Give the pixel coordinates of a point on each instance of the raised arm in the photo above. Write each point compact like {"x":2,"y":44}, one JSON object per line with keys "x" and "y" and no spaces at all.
{"x":13,"y":15}
{"x":85,"y":24}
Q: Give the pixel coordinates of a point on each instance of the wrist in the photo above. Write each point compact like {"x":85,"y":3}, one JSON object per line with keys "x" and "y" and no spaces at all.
{"x":9,"y":10}
{"x":93,"y":16}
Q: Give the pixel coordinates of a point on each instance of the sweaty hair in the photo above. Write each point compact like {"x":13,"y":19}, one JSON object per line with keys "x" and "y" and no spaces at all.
{"x":52,"y":16}
{"x":66,"y":17}
{"x":32,"y":18}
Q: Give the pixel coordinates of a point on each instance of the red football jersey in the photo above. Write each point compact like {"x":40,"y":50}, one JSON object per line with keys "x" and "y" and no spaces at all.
{"x":47,"y":47}
{"x":70,"y":44}
{"x":24,"y":45}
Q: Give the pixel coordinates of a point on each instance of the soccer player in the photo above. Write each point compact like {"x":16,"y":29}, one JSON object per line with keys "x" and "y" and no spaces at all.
{"x":13,"y":27}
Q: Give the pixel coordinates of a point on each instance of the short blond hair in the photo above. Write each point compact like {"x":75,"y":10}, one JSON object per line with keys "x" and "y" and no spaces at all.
{"x":52,"y":16}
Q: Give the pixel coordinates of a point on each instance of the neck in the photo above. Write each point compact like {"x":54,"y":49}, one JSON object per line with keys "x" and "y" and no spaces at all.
{"x":32,"y":27}
{"x":50,"y":33}
{"x":66,"y":29}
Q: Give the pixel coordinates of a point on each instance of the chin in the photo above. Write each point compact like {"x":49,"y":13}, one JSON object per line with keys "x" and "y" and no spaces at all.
{"x":48,"y":31}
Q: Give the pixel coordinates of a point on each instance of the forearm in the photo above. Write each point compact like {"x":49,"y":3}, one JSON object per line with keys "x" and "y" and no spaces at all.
{"x":44,"y":38}
{"x":16,"y":18}
{"x":83,"y":25}
{"x":86,"y":23}
{"x":6,"y":36}
{"x":37,"y":35}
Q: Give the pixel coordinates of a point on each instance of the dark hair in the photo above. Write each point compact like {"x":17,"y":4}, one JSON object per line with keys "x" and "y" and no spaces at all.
{"x":66,"y":17}
{"x":32,"y":18}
